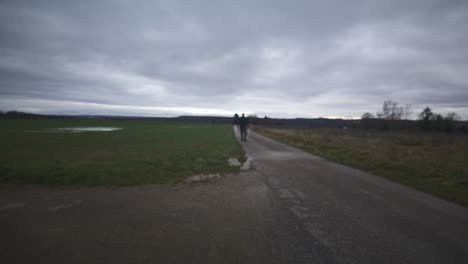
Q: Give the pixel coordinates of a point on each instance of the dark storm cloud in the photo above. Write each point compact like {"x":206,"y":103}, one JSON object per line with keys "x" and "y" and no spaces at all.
{"x":280,"y":58}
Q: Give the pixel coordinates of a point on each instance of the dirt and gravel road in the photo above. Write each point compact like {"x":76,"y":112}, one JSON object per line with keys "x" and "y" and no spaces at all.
{"x":289,"y":207}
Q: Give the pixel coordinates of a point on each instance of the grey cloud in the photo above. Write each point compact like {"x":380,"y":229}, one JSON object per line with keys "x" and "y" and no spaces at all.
{"x":304,"y":58}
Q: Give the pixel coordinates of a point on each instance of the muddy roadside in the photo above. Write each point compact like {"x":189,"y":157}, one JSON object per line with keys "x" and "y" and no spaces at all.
{"x":226,"y":219}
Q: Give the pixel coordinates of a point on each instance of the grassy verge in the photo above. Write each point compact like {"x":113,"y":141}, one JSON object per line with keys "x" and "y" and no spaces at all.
{"x":430,"y":162}
{"x":142,"y":152}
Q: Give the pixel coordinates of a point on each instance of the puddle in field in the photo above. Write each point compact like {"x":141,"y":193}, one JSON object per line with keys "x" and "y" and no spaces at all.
{"x":88,"y":129}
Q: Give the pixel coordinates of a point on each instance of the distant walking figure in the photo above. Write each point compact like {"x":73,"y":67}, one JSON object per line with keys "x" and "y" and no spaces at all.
{"x":236,"y":120}
{"x":243,"y":124}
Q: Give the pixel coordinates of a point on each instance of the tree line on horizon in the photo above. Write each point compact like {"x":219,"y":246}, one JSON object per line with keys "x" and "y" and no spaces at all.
{"x":394,"y":115}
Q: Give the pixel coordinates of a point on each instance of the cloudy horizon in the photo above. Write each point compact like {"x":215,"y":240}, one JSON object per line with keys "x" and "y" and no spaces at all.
{"x":274,"y":58}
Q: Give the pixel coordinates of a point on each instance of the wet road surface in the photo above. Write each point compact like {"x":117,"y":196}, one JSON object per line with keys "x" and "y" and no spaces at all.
{"x":289,"y":207}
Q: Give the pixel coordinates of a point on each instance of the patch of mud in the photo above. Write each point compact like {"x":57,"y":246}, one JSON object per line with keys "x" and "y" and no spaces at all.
{"x":87,"y":129}
{"x":247,"y":164}
{"x":243,"y":166}
{"x":205,"y":178}
{"x":234,"y":162}
{"x":201,"y":178}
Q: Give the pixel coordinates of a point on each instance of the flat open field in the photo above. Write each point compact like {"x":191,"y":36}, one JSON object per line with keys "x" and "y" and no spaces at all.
{"x":432,"y":162}
{"x":143,"y":151}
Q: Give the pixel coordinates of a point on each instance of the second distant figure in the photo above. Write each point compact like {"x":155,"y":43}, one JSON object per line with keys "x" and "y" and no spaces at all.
{"x":243,"y":125}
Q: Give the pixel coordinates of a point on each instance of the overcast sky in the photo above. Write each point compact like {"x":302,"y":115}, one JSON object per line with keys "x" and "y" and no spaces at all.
{"x":277,"y":58}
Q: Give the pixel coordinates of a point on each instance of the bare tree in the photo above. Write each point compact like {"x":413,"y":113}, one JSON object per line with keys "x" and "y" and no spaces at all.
{"x":407,"y":112}
{"x":253,"y":118}
{"x":452,"y":116}
{"x":391,"y":111}
{"x":450,"y":121}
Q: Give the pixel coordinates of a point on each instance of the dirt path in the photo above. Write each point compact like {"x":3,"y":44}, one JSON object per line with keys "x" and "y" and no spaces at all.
{"x":291,"y":207}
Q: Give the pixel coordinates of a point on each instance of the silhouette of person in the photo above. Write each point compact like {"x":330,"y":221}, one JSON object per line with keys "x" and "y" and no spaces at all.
{"x":243,"y":124}
{"x":236,"y":120}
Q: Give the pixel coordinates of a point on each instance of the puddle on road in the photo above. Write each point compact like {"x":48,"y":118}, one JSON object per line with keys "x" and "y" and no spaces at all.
{"x":237,"y":163}
{"x":208,"y":177}
{"x":246,"y":164}
{"x":233,"y":162}
{"x":87,"y":129}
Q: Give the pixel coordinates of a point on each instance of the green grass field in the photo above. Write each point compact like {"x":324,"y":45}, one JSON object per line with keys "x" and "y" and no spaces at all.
{"x":144,"y":151}
{"x":436,"y":163}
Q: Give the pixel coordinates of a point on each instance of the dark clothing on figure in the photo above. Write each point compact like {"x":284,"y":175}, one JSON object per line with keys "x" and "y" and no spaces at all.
{"x":243,"y":124}
{"x":236,"y":120}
